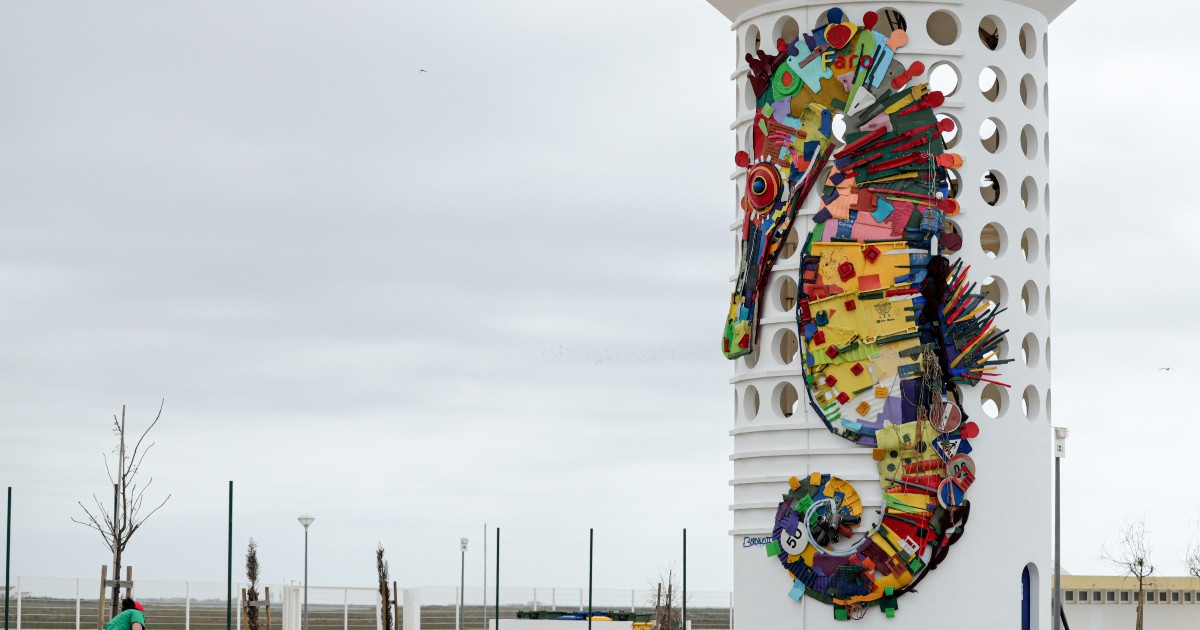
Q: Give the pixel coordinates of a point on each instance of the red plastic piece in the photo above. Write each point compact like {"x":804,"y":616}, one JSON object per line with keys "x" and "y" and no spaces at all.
{"x":929,"y":101}
{"x":856,"y":369}
{"x":831,"y":352}
{"x":870,"y":18}
{"x":838,"y":35}
{"x":969,"y":430}
{"x":831,"y":380}
{"x":916,"y":69}
{"x":744,"y":342}
{"x":843,"y":397}
{"x":851,"y":305}
{"x":818,"y":337}
{"x":871,"y":253}
{"x":846,"y":270}
{"x":742,"y":159}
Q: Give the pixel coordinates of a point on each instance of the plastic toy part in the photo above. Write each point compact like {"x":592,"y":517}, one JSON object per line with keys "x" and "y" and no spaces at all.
{"x":892,"y":328}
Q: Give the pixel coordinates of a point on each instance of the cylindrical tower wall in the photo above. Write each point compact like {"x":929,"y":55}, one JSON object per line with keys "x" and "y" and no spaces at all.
{"x":1006,"y":242}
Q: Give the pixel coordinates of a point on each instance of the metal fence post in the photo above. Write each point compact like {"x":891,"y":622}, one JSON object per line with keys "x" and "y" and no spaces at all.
{"x":553,"y":599}
{"x":76,"y":603}
{"x":187,"y":606}
{"x":345,"y":609}
{"x":632,"y":602}
{"x":730,"y":610}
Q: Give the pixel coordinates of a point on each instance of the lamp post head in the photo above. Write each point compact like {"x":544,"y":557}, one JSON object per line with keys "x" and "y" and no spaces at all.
{"x":1060,"y":442}
{"x":462,"y":544}
{"x":306,"y":520}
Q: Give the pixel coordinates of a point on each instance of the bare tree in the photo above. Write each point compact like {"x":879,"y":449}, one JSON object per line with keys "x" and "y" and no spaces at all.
{"x":1133,"y":558}
{"x":667,"y":601}
{"x":119,"y":527}
{"x":252,"y":587}
{"x":385,"y":611}
{"x":1192,"y":560}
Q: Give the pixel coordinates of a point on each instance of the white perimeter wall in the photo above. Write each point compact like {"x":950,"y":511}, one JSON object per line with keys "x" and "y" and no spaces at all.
{"x":979,"y":584}
{"x":1123,"y":616}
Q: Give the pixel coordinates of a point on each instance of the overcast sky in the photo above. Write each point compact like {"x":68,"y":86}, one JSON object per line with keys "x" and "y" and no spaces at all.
{"x":410,"y":303}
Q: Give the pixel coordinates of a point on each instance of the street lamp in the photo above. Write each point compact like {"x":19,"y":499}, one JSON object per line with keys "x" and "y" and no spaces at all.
{"x":462,"y":580}
{"x":1060,"y":451}
{"x":306,"y":520}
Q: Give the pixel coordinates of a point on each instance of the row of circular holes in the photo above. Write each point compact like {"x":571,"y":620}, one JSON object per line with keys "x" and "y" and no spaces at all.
{"x":993,"y":400}
{"x":993,"y":189}
{"x":993,"y":240}
{"x":786,"y":345}
{"x":945,"y":77}
{"x":995,"y":288}
{"x":942,"y":26}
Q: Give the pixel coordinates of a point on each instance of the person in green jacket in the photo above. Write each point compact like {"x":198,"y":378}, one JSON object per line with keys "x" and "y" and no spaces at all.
{"x":130,"y":617}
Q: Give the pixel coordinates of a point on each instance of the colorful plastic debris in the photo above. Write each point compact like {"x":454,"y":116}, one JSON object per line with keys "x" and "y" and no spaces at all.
{"x":885,"y":315}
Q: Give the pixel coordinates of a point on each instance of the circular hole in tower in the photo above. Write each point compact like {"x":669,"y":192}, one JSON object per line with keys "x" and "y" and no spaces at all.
{"x":944,"y":78}
{"x":942,"y":27}
{"x":1029,"y":141}
{"x":786,"y":398}
{"x":1029,"y":350}
{"x":1029,"y":245}
{"x":752,"y":40}
{"x":786,"y":345}
{"x":994,"y":400}
{"x":991,"y":135}
{"x":1029,"y":91}
{"x":1030,"y":403}
{"x":750,"y":402}
{"x":949,"y":137}
{"x":995,"y":291}
{"x":991,"y":187}
{"x":991,"y":32}
{"x":1029,"y":195}
{"x":1029,"y":298}
{"x":992,"y":240}
{"x":1028,"y":40}
{"x":991,"y":83}
{"x":787,"y":29}
{"x":787,"y":294}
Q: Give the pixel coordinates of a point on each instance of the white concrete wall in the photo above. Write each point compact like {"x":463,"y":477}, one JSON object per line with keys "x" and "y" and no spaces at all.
{"x":979,"y":584}
{"x":1123,"y":616}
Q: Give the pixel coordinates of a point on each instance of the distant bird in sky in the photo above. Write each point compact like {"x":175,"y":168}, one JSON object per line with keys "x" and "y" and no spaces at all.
{"x":1166,"y":369}
{"x":422,"y":70}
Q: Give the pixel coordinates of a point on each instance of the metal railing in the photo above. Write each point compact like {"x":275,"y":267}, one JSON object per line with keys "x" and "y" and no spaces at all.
{"x":72,"y":604}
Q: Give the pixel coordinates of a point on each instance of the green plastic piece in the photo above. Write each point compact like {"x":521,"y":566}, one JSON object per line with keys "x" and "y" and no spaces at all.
{"x":773,"y":548}
{"x":839,"y":613}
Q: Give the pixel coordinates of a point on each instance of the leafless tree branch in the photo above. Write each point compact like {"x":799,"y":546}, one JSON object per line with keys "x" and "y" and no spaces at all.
{"x":1132,"y":556}
{"x":117,"y":529}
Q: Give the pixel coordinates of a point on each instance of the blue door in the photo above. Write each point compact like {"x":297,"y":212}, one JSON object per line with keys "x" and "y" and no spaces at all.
{"x":1025,"y":599}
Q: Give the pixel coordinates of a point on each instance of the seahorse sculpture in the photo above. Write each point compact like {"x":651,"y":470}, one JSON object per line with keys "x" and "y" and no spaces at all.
{"x":890,"y":326}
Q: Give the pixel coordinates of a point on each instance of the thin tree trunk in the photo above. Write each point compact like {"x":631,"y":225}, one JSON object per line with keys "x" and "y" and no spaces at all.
{"x":1141,"y":601}
{"x":116,"y":593}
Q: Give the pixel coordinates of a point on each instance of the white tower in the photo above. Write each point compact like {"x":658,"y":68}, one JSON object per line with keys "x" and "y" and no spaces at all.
{"x":1002,"y":137}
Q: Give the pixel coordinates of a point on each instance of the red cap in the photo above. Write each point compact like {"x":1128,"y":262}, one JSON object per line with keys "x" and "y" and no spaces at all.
{"x":138,"y":605}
